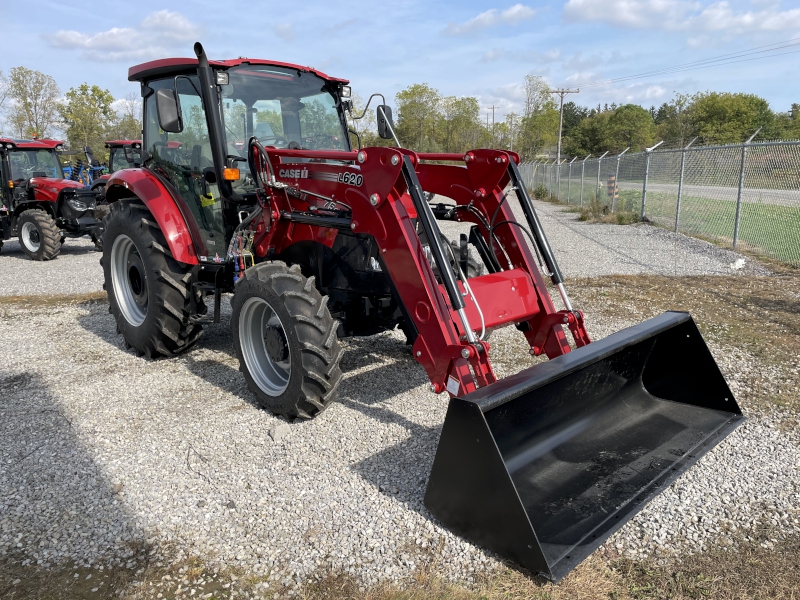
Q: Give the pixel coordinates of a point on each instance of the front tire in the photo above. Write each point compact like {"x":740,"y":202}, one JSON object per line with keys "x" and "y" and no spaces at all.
{"x":39,"y":235}
{"x":149,"y":292}
{"x":286,"y":341}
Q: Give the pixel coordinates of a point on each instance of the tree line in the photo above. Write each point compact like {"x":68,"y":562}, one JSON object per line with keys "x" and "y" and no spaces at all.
{"x":713,"y":118}
{"x":428,"y":121}
{"x":33,"y":106}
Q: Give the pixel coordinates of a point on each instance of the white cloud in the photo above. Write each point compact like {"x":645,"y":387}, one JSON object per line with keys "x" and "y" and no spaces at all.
{"x":492,"y":55}
{"x":284,"y":31}
{"x":683,"y":15}
{"x":159,"y":34}
{"x":490,"y":18}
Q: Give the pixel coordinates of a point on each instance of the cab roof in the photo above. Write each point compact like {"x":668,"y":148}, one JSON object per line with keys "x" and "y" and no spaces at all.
{"x":40,"y":144}
{"x":177,"y":66}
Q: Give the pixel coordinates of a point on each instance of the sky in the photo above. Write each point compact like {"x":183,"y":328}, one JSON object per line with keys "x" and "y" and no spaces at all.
{"x":462,"y":48}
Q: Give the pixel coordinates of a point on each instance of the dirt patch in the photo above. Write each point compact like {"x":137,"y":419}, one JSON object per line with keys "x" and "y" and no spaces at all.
{"x":47,"y":300}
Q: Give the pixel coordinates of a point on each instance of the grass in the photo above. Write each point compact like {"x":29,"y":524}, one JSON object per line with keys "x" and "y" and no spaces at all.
{"x":765,"y":229}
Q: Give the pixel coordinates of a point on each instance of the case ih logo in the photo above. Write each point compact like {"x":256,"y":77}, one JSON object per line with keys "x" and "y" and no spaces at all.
{"x":294,"y":173}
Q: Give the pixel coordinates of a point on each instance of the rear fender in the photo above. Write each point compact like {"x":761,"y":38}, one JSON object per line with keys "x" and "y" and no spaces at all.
{"x":142,"y":184}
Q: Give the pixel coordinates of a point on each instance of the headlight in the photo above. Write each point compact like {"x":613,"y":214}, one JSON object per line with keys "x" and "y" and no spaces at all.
{"x":78,"y":205}
{"x":345,"y":91}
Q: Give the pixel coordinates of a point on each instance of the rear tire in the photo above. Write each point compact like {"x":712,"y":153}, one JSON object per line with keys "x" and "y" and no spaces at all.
{"x":39,"y":236}
{"x":286,"y":341}
{"x":149,"y":292}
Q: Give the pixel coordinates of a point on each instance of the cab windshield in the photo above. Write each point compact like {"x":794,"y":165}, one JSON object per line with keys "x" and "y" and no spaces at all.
{"x":118,"y":160}
{"x":284,"y":108}
{"x":27,"y":163}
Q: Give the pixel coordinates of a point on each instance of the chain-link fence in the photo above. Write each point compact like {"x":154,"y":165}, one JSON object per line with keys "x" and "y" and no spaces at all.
{"x":744,"y":195}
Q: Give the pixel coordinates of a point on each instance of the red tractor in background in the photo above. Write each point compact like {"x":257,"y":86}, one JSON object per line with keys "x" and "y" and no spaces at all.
{"x":38,"y":205}
{"x":248,"y":186}
{"x":122,"y":154}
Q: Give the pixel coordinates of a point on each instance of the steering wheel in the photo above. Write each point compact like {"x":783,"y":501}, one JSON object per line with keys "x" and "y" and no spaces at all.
{"x":258,"y":161}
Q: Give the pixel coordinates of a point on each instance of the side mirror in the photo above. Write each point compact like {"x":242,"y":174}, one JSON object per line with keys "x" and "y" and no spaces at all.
{"x":126,"y":150}
{"x":169,"y":111}
{"x":385,"y":123}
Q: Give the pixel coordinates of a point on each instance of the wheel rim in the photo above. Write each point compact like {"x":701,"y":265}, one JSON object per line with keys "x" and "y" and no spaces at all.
{"x":265,"y":346}
{"x":30,"y":236}
{"x":129,"y":279}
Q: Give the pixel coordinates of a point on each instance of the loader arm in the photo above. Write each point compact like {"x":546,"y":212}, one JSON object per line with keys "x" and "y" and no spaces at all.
{"x":383,"y":189}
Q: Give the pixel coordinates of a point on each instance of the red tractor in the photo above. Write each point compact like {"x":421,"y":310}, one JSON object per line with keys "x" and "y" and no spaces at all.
{"x":38,"y":205}
{"x":317,"y":241}
{"x":122,"y":154}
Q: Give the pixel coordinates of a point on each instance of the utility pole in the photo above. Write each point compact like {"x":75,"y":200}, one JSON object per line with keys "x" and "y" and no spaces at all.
{"x":492,"y":107}
{"x":561,"y":92}
{"x":511,"y":132}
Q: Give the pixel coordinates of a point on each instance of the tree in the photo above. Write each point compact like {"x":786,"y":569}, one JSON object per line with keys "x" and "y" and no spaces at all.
{"x":674,"y":121}
{"x":573,"y":115}
{"x":3,"y":93}
{"x":460,"y":128}
{"x":629,"y":126}
{"x":128,"y":122}
{"x":590,"y":136}
{"x":539,"y":127}
{"x":725,"y":118}
{"x":34,"y":103}
{"x":86,"y":114}
{"x":418,"y":110}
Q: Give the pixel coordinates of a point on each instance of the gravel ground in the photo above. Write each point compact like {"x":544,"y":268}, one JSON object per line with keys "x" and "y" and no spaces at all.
{"x":76,"y":270}
{"x":102,"y":452}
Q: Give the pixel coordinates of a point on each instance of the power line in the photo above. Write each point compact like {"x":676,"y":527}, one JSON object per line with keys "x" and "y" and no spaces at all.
{"x":767,"y":50}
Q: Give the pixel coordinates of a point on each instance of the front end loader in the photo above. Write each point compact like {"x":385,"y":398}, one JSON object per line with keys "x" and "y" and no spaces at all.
{"x":248,"y":185}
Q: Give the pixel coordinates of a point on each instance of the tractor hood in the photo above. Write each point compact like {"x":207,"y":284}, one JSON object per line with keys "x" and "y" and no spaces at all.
{"x":48,"y":188}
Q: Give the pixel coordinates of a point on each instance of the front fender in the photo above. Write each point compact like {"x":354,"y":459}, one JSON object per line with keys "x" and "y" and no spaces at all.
{"x":147,"y":187}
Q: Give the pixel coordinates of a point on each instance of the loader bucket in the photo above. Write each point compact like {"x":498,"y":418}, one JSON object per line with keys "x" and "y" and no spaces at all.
{"x":543,"y":466}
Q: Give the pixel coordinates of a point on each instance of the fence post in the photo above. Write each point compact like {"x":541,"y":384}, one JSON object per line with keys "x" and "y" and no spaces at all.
{"x":647,"y":152}
{"x":738,"y":219}
{"x":558,"y":179}
{"x":569,"y":179}
{"x":597,"y":186}
{"x":616,"y":176}
{"x":583,"y":169}
{"x":680,"y":185}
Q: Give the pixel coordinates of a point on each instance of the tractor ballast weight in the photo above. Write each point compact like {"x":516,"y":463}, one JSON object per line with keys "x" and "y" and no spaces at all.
{"x":320,"y":241}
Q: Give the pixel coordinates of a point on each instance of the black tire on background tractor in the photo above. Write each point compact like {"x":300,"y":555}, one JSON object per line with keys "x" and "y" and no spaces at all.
{"x":101,"y":213}
{"x":39,"y":236}
{"x":149,"y":292}
{"x":286,"y":340}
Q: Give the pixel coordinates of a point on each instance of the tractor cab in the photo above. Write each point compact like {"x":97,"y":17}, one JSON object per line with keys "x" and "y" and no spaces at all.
{"x":25,"y":163}
{"x":123,"y":154}
{"x":202,"y":153}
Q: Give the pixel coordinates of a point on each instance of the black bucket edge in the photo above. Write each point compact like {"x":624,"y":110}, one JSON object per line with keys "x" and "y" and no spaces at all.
{"x":452,"y":470}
